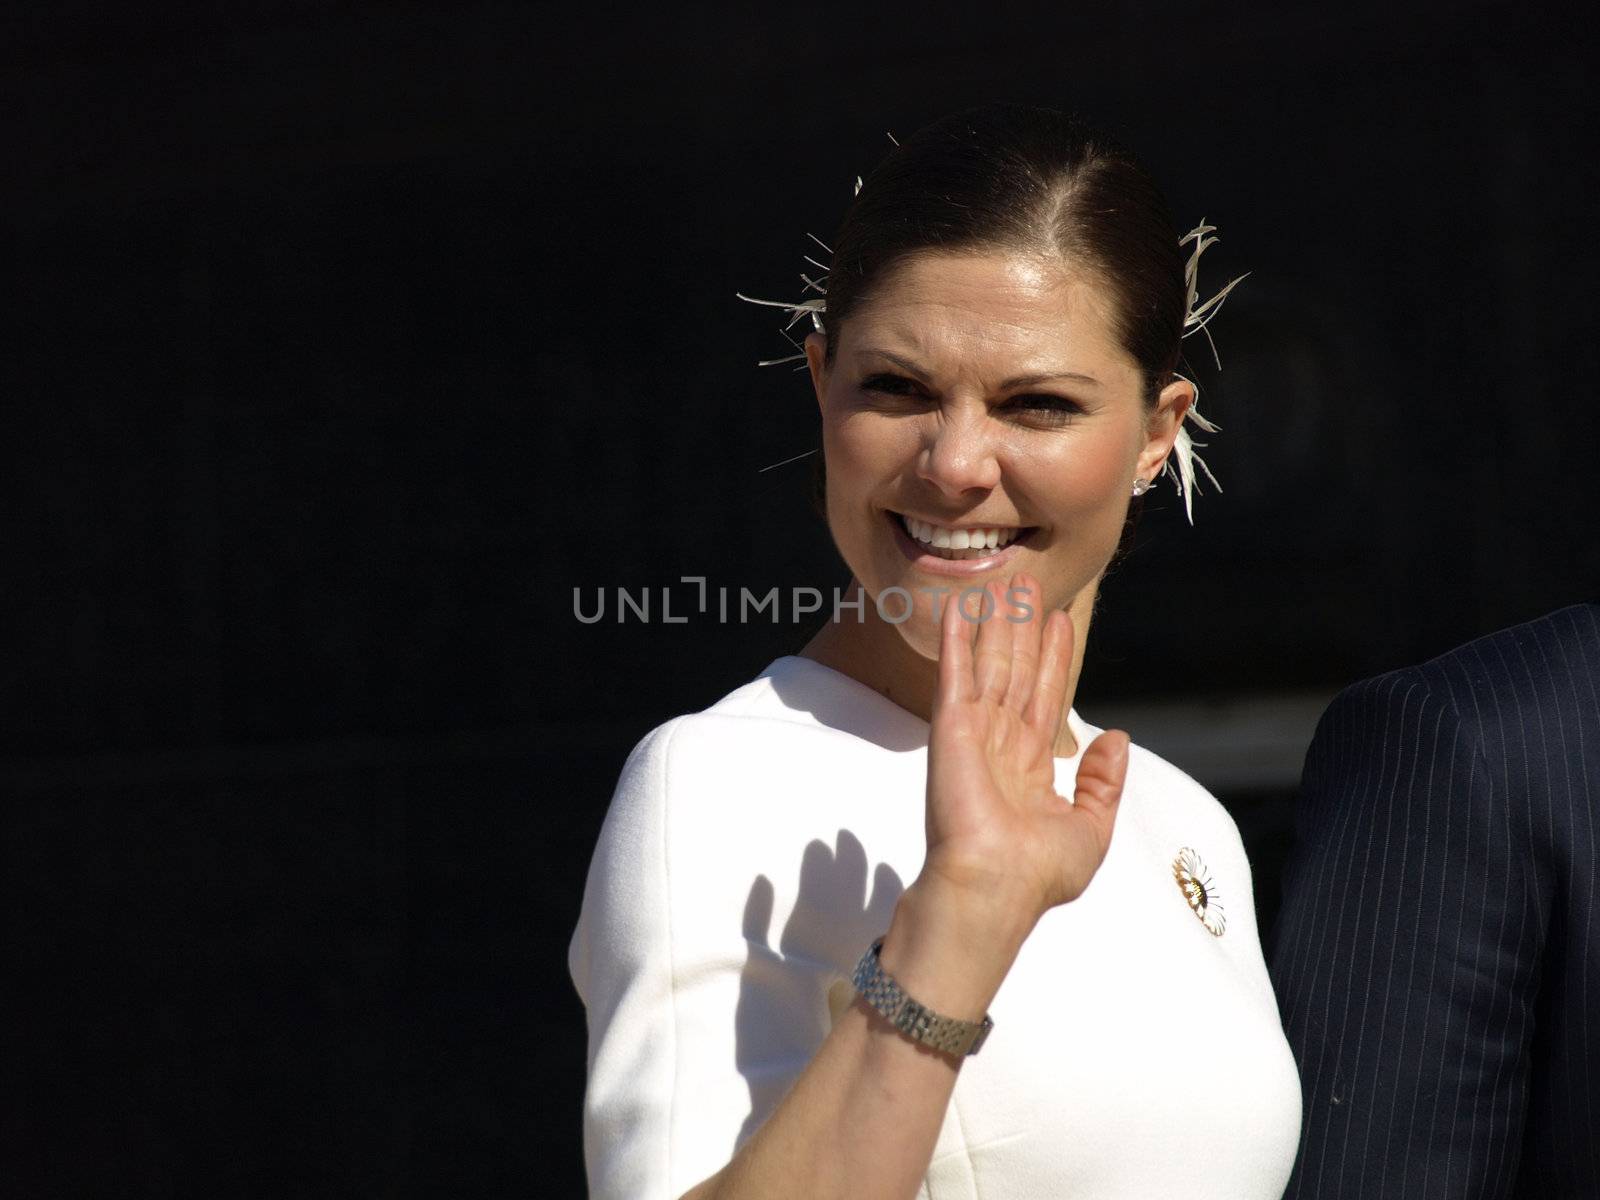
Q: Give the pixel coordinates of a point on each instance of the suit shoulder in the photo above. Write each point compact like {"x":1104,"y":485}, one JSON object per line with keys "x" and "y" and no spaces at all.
{"x":1532,"y":669}
{"x":1389,"y":700}
{"x":1573,"y":632}
{"x":1379,"y":733}
{"x":1497,"y":663}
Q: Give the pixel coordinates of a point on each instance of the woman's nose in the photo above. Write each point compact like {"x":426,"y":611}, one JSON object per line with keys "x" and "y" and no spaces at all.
{"x":959,"y":456}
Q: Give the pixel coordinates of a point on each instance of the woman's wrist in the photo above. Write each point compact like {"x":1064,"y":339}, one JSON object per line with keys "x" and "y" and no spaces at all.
{"x":950,"y":951}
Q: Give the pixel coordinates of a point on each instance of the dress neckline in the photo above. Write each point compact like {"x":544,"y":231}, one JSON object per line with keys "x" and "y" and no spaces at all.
{"x":843,"y":702}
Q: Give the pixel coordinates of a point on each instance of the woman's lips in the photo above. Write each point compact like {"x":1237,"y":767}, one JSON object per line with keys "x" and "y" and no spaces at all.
{"x":925,"y":559}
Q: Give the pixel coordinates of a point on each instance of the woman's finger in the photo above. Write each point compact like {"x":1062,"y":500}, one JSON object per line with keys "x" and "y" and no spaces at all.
{"x":993,"y":651}
{"x":1084,"y":830}
{"x":956,"y":682}
{"x":1026,"y":641}
{"x":1101,"y":773}
{"x":1055,"y":665}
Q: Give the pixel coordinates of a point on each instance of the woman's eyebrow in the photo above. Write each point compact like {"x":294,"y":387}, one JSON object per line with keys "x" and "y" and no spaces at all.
{"x":1029,"y":380}
{"x":1016,"y":381}
{"x":905,"y":364}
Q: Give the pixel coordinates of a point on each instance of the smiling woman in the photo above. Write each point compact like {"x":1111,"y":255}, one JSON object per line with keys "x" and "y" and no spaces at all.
{"x":1009,"y":402}
{"x":994,"y":367}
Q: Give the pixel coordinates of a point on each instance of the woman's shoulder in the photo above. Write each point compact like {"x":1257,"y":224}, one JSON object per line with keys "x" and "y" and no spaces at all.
{"x":795,"y":717}
{"x":1166,"y":811}
{"x":751,"y":714}
{"x":678,"y":783}
{"x":794,"y":702}
{"x":1168,"y":795}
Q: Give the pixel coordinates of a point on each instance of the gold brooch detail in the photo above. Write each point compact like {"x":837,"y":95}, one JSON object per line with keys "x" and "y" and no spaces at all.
{"x":1198,"y":890}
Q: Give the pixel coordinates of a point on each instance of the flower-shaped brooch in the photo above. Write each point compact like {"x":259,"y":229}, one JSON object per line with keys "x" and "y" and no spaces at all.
{"x":1198,"y":890}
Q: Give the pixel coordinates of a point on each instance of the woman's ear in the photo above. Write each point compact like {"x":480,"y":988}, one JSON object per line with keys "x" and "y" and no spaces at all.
{"x":817,"y":360}
{"x":1161,"y":428}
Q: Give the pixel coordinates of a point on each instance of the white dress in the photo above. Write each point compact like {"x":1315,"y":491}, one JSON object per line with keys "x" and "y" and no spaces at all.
{"x":752,"y":851}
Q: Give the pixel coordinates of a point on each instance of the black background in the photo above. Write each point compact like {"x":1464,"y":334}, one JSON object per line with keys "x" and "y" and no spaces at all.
{"x":343,"y":341}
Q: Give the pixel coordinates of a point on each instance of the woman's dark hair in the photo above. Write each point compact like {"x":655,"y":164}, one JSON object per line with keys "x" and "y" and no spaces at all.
{"x":1014,"y":177}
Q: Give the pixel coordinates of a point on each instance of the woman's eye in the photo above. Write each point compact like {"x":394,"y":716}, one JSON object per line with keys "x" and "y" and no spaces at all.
{"x":1054,"y":408}
{"x":890,"y":385}
{"x":1037,"y":406}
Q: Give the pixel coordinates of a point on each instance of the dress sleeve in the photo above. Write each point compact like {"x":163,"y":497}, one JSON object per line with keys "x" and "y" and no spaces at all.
{"x":620,"y":959}
{"x":696,"y":1026}
{"x":1406,"y":954}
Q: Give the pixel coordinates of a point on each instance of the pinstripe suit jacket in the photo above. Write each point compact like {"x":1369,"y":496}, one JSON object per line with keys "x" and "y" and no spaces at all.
{"x":1437,"y":957}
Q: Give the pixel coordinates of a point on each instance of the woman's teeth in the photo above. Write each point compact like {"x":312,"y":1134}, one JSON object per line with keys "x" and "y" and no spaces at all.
{"x":959,"y":543}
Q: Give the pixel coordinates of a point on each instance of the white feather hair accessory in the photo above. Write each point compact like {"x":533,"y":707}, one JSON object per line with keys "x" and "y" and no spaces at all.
{"x":1195,"y":319}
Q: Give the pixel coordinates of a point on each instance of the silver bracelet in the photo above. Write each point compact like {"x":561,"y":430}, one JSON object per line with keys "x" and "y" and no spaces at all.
{"x":916,"y":1021}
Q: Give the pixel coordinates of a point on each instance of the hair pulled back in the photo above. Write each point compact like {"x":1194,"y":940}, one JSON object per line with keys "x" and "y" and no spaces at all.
{"x":1019,"y":178}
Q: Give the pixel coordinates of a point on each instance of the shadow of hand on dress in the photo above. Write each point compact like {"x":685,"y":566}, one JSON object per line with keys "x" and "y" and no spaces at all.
{"x":783,"y":1012}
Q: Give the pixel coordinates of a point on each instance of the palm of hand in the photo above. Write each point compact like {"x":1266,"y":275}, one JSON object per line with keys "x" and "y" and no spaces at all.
{"x":996,"y":825}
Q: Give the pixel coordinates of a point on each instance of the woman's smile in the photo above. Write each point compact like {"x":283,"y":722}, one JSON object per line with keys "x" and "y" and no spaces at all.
{"x":959,"y":550}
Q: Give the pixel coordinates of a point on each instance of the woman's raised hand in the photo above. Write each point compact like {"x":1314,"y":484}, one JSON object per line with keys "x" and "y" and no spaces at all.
{"x":998,"y":833}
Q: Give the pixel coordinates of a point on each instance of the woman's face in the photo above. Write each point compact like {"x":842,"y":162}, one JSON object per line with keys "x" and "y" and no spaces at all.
{"x":983,"y":398}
